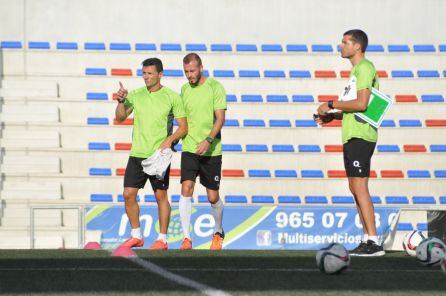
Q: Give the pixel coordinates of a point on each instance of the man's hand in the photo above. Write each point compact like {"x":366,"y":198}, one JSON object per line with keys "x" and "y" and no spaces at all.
{"x":122,"y":92}
{"x":203,"y":147}
{"x":167,"y":143}
{"x":323,"y":109}
{"x":323,"y":119}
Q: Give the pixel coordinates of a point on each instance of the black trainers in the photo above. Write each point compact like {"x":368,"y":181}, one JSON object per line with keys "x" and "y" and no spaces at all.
{"x":360,"y":249}
{"x":372,"y":249}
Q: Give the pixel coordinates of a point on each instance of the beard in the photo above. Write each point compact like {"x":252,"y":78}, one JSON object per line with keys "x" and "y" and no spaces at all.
{"x":196,"y":81}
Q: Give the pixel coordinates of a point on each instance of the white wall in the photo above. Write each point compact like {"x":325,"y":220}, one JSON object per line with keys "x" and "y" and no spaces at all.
{"x":232,"y":21}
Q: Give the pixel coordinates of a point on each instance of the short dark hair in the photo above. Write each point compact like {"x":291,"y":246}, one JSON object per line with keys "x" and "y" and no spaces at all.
{"x":153,"y":62}
{"x":360,"y":37}
{"x":192,"y":57}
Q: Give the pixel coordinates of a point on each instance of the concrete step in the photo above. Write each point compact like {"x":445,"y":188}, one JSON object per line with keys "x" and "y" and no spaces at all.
{"x":31,"y":139}
{"x":28,"y":88}
{"x":31,"y":190}
{"x":30,"y":164}
{"x":29,"y":113}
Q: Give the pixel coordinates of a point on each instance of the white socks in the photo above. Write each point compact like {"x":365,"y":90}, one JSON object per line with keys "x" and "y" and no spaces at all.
{"x":374,"y":239}
{"x":136,"y":233}
{"x":185,"y":206}
{"x":365,"y":238}
{"x":217,"y":213}
{"x":162,"y":237}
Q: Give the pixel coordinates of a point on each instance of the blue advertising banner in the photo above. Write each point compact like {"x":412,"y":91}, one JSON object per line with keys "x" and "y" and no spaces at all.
{"x":246,"y":227}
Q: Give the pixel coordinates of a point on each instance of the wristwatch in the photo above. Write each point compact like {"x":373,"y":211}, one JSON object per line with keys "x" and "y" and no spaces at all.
{"x":209,"y":140}
{"x":330,"y":104}
{"x":121,"y":101}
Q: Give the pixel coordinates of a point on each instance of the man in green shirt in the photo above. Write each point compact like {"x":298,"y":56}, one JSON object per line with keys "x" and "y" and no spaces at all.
{"x":153,"y":107}
{"x":205,"y":104}
{"x":358,"y":137}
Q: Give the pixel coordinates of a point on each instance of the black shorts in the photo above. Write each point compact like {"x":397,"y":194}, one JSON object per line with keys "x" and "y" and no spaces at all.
{"x":136,"y":178}
{"x":207,"y":167}
{"x":357,"y":156}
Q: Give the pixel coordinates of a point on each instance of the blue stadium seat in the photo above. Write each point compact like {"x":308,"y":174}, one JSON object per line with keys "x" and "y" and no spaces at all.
{"x":254,"y":122}
{"x":231,"y":122}
{"x":404,"y":226}
{"x":232,"y":147}
{"x":256,"y":148}
{"x":277,"y":98}
{"x":438,"y":148}
{"x":121,"y":198}
{"x":221,"y":47}
{"x":149,"y":198}
{"x":316,"y":199}
{"x":418,"y":174}
{"x":388,"y":148}
{"x":259,"y":174}
{"x":300,"y":74}
{"x":312,"y":174}
{"x":205,"y":73}
{"x":178,"y":147}
{"x":410,"y":123}
{"x":285,"y":174}
{"x":398,"y":48}
{"x":422,"y":226}
{"x":342,"y":199}
{"x":428,"y":74}
{"x":249,"y":74}
{"x":38,"y":45}
{"x":388,"y":123}
{"x":423,"y":200}
{"x":440,"y":173}
{"x":224,"y":73}
{"x":203,"y":198}
{"x":145,"y":46}
{"x":98,"y":146}
{"x":94,"y":46}
{"x":268,"y":199}
{"x":272,"y":48}
{"x":120,"y":46}
{"x":309,"y":148}
{"x":375,"y":48}
{"x":296,"y":48}
{"x":442,"y":200}
{"x":173,"y":73}
{"x":170,"y":47}
{"x":67,"y":45}
{"x":289,"y":199}
{"x":96,"y":197}
{"x":424,"y":48}
{"x":138,"y":72}
{"x":321,"y":48}
{"x":246,"y":47}
{"x":236,"y":199}
{"x":97,"y":96}
{"x":252,"y":98}
{"x":282,"y":148}
{"x":96,"y":71}
{"x":305,"y":123}
{"x":402,"y":74}
{"x":97,"y":120}
{"x":397,"y":200}
{"x":196,"y":47}
{"x":444,"y":73}
{"x":274,"y":74}
{"x":174,"y":198}
{"x":100,"y":172}
{"x":435,"y":98}
{"x":303,"y":99}
{"x":376,"y":199}
{"x":231,"y":98}
{"x":11,"y":44}
{"x":279,"y":123}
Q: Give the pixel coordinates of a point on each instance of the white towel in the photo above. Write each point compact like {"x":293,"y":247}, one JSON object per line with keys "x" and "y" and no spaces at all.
{"x":157,"y":163}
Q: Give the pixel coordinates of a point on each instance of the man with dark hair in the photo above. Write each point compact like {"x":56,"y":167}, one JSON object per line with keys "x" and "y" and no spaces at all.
{"x":205,"y":104}
{"x":154,"y":107}
{"x":358,"y":137}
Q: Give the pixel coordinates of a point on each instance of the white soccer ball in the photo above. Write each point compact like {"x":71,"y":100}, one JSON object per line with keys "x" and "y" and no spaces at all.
{"x":332,"y":259}
{"x":411,"y":241}
{"x":430,"y":251}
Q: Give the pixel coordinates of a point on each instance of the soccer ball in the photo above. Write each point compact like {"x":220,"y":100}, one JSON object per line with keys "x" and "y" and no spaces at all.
{"x":332,"y":259}
{"x":411,"y":241}
{"x":430,"y":251}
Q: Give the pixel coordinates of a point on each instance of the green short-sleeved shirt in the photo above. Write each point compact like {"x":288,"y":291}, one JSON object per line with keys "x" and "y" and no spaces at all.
{"x":200,"y":102}
{"x":353,"y":126}
{"x":152,"y":113}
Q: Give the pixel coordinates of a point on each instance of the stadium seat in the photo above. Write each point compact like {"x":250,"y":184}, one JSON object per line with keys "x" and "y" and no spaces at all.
{"x":94,"y":46}
{"x":232,"y":147}
{"x":388,"y":148}
{"x":309,"y":148}
{"x":406,"y":98}
{"x":303,"y":99}
{"x":423,"y":200}
{"x":342,"y":199}
{"x":401,"y":226}
{"x":435,"y":122}
{"x":434,"y":98}
{"x":95,"y":197}
{"x":100,"y":172}
{"x":289,"y":199}
{"x":397,"y":200}
{"x":333,"y":148}
{"x":98,"y":146}
{"x":256,"y":148}
{"x":440,"y":173}
{"x":232,"y":122}
{"x":272,"y":48}
{"x":437,"y":148}
{"x":282,"y":148}
{"x":178,"y":147}
{"x":145,"y":46}
{"x":375,"y":48}
{"x":127,"y":121}
{"x":388,"y":123}
{"x":120,"y":172}
{"x":196,"y":47}
{"x":300,"y":74}
{"x":324,"y":74}
{"x":428,"y":74}
{"x":418,"y":174}
{"x":326,"y":98}
{"x":221,"y":47}
{"x":442,"y":200}
{"x":175,"y":198}
{"x":170,"y":47}
{"x":423,"y":48}
{"x":259,"y":174}
{"x":392,"y":174}
{"x":296,"y":48}
{"x":321,"y":48}
{"x":336,"y":174}
{"x":305,"y":123}
{"x":442,"y":48}
{"x":410,"y":123}
{"x":344,"y":74}
{"x":233,"y":173}
{"x":246,"y":47}
{"x":202,"y":198}
{"x":252,"y":98}
{"x":382,"y":74}
{"x":96,"y":71}
{"x":123,"y":146}
{"x":414,"y":148}
{"x":312,"y":174}
{"x":149,"y":198}
{"x":236,"y":199}
{"x":279,"y":123}
{"x":254,"y":123}
{"x":285,"y":174}
{"x":97,"y":96}
{"x":121,"y":72}
{"x":274,"y":74}
{"x":402,"y":74}
{"x":422,"y":226}
{"x":398,"y":48}
{"x":121,"y":198}
{"x":173,"y":73}
{"x":175,"y":172}
{"x":224,"y":73}
{"x":120,"y":46}
{"x":376,"y":199}
{"x":277,"y":98}
{"x":97,"y":120}
{"x":67,"y":45}
{"x":268,"y":199}
{"x":231,"y":98}
{"x":334,"y":123}
{"x":249,"y":74}
{"x":316,"y":199}
{"x":11,"y":44}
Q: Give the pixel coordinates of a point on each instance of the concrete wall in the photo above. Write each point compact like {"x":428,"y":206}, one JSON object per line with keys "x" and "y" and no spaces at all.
{"x":232,"y":21}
